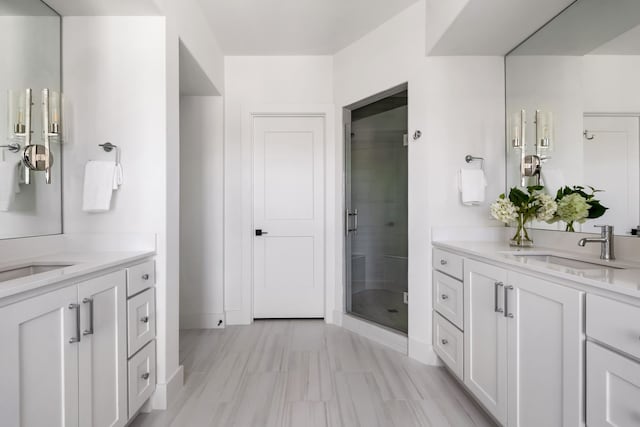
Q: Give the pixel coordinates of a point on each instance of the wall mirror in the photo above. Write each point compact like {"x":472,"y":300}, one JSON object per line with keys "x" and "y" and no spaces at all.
{"x":573,"y":108}
{"x":30,"y":43}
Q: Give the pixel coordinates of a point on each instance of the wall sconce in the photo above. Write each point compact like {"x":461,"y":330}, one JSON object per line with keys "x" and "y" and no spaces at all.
{"x":36,"y":157}
{"x":531,"y":164}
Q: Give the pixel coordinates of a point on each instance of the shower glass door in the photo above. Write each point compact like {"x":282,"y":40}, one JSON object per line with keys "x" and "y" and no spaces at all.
{"x":376,"y":214}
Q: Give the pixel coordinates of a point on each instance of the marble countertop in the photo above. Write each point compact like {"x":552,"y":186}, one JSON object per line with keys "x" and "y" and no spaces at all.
{"x":622,"y":277}
{"x":78,"y":265}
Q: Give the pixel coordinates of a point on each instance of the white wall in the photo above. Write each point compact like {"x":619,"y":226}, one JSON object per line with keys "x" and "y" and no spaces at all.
{"x":201,"y":211}
{"x":458,"y":104}
{"x":611,"y":84}
{"x":251,"y":82}
{"x":30,"y":45}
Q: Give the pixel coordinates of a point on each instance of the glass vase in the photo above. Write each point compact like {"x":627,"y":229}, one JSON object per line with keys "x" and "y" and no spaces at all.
{"x":521,"y":239}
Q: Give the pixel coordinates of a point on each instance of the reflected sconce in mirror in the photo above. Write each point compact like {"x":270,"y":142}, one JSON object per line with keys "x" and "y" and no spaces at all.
{"x":531,"y":164}
{"x":35,"y":157}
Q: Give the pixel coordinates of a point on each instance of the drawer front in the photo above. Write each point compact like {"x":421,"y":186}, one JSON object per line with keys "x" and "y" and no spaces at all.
{"x":613,"y":388}
{"x":447,"y":263}
{"x":448,"y":343}
{"x":448,"y":298}
{"x":614,"y":323}
{"x":142,"y":377}
{"x":140,"y":277}
{"x":141,"y":320}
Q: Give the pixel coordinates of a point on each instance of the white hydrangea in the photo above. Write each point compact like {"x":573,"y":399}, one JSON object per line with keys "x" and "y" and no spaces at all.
{"x":547,"y":208}
{"x":573,"y":207}
{"x":504,"y":211}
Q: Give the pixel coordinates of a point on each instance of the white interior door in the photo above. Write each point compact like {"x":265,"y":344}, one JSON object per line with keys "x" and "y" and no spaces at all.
{"x":288,"y":216}
{"x":611,"y":158}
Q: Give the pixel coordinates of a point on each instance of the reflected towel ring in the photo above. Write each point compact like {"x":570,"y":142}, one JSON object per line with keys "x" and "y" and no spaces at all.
{"x":469,"y":158}
{"x":586,"y":135}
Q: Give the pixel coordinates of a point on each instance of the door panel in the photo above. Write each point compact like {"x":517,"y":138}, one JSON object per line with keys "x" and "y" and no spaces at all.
{"x":288,"y":272}
{"x":545,"y":342}
{"x":38,"y":364}
{"x":103,"y":353}
{"x":485,"y":337}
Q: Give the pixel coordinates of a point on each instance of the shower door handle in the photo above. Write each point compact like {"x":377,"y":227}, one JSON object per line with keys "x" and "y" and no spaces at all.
{"x":353,"y":214}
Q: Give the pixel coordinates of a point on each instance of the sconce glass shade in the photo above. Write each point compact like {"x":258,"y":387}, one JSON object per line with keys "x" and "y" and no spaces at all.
{"x":516,"y":129}
{"x":544,"y":130}
{"x":18,"y":114}
{"x":51,"y":109}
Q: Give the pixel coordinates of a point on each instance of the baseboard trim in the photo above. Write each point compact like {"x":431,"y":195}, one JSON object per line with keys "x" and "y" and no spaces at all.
{"x":166,"y":393}
{"x":393,"y":340}
{"x":423,"y":352}
{"x":202,"y":321}
{"x":235,"y":317}
{"x":336,"y":319}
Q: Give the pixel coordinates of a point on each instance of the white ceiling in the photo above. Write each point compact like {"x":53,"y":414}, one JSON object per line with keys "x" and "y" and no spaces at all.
{"x":494,"y":27}
{"x":105,"y":7}
{"x":295,"y":27}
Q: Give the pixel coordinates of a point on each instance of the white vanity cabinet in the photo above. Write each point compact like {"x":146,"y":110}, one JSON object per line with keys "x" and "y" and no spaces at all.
{"x":63,"y":361}
{"x":613,"y":363}
{"x":523,"y":346}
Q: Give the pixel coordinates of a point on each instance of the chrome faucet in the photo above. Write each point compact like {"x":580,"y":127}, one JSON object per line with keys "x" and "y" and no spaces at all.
{"x":605,"y":240}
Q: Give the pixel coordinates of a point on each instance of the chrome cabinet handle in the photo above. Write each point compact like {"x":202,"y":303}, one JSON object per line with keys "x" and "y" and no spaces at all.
{"x":90,"y":302}
{"x":145,"y":277}
{"x":444,"y":296}
{"x":496,"y":299}
{"x":353,"y":214}
{"x":144,"y":319}
{"x":444,"y":341}
{"x":506,"y":302}
{"x":145,"y":376}
{"x":443,"y":262}
{"x":76,"y":307}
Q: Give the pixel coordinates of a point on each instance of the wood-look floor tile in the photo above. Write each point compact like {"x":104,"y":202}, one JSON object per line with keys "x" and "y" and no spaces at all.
{"x":304,"y":373}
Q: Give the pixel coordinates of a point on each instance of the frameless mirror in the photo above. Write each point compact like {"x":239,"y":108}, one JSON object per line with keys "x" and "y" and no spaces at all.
{"x":30,"y":47}
{"x":573,"y":106}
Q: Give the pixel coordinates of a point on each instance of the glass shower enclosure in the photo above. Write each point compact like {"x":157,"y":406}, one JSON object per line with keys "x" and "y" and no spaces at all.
{"x":376,"y":209}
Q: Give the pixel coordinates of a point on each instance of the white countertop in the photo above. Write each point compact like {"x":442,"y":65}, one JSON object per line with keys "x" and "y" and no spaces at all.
{"x":80,"y":264}
{"x":623,"y":281}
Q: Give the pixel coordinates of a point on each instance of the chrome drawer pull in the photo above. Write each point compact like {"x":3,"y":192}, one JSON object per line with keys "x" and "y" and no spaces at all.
{"x":444,"y":342}
{"x":443,"y":262}
{"x":90,"y":302}
{"x":506,"y":302}
{"x":145,"y":376}
{"x":496,"y":290}
{"x":145,"y":277}
{"x":76,"y":307}
{"x":444,"y":296}
{"x":144,"y":319}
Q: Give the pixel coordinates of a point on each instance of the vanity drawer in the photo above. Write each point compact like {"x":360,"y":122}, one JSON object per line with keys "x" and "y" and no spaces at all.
{"x":141,"y":320}
{"x":448,"y":343}
{"x":447,"y":263}
{"x":142,"y":377}
{"x":614,"y":323}
{"x":140,"y":277}
{"x":448,"y":298}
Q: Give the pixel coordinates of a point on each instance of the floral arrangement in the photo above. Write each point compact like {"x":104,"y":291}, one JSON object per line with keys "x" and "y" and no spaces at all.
{"x":576,"y":205}
{"x":520,"y":207}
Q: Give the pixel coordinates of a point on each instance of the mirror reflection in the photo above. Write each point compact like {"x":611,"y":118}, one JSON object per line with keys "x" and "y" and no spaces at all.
{"x":573,"y":110}
{"x":30,"y":47}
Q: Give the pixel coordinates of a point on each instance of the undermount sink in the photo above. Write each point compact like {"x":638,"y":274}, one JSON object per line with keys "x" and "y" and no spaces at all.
{"x":29,"y":270}
{"x":567,"y":262}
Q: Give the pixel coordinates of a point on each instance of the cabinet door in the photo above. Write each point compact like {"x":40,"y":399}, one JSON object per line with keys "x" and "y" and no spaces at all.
{"x":545,"y":353}
{"x":485,"y":335}
{"x":103,"y":351}
{"x":613,"y":388}
{"x":38,"y":363}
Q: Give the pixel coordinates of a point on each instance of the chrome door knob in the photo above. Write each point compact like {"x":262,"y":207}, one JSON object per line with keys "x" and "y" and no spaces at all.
{"x":444,"y":342}
{"x":145,"y":277}
{"x":444,"y":296}
{"x":145,"y":376}
{"x":145,"y":319}
{"x":443,"y":262}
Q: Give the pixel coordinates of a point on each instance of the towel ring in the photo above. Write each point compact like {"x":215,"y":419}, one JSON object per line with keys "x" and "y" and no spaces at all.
{"x":469,"y":158}
{"x":109,"y":147}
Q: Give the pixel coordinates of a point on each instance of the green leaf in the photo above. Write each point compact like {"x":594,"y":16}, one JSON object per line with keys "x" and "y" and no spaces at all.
{"x":518,"y":197}
{"x":596,"y":210}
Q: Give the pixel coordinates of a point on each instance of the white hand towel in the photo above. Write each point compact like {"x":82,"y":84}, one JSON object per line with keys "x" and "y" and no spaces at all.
{"x":99,"y":178}
{"x":553,"y":180}
{"x":472,"y":184}
{"x":9,"y":185}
